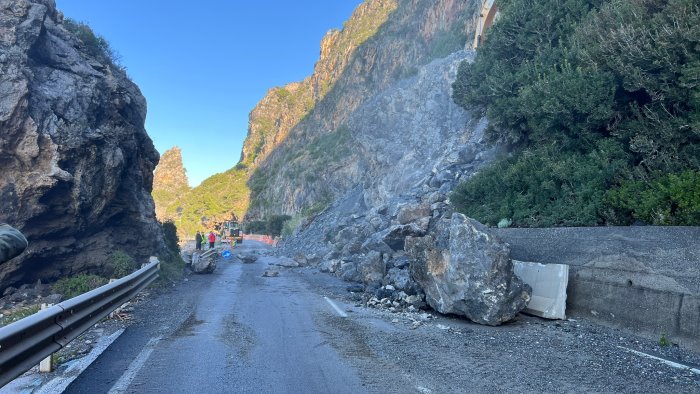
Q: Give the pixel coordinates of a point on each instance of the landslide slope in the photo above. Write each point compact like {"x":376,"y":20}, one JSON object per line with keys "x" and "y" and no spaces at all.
{"x":77,"y":164}
{"x":305,"y":160}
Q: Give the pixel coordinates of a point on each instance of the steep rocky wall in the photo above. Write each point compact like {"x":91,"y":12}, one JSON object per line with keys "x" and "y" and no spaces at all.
{"x":295,"y":174}
{"x":283,"y":108}
{"x":411,"y":146}
{"x":170,"y":184}
{"x":77,"y":164}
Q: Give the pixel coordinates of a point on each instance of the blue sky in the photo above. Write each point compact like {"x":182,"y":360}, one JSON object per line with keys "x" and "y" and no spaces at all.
{"x":203,"y":65}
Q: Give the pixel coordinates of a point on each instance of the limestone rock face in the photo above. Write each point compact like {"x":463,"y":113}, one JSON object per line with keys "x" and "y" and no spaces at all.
{"x":316,"y":140}
{"x":170,"y":183}
{"x":465,"y":270}
{"x":77,"y":164}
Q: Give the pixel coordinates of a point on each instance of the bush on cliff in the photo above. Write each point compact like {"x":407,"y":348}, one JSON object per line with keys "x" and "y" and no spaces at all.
{"x":77,"y":285}
{"x":600,"y":100}
{"x":122,"y":264}
{"x":271,"y":226}
{"x":172,"y":265}
{"x":94,"y":44}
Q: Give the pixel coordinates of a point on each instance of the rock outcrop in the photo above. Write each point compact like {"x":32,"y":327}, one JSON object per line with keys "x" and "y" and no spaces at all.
{"x":314,"y":159}
{"x":388,"y":171}
{"x":77,"y":164}
{"x":465,"y":270}
{"x":170,"y":184}
{"x":204,"y":263}
{"x":415,"y":146}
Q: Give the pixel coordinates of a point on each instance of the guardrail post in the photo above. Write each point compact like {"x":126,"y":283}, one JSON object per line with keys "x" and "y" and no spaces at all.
{"x":46,"y":365}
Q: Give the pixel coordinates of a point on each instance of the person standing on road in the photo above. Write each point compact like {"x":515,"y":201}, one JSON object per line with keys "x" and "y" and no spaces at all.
{"x":198,"y":241}
{"x":212,"y":239}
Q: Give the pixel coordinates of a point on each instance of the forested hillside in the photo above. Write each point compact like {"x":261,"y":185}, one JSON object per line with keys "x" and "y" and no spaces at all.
{"x":600,"y":103}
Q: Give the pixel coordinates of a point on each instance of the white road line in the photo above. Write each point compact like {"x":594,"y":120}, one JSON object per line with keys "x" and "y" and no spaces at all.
{"x":123,"y":383}
{"x":59,"y":384}
{"x":663,"y":360}
{"x":340,"y":311}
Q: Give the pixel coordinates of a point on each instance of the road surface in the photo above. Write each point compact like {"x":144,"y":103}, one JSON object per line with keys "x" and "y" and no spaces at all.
{"x":236,"y":331}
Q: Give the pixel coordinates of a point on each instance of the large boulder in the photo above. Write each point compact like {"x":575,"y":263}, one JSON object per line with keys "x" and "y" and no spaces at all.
{"x":371,"y":267}
{"x":204,"y":263}
{"x":395,"y":235}
{"x":465,"y":270}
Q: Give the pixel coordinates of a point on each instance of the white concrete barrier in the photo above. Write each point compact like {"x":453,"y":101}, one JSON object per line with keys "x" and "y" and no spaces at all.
{"x":548,"y":284}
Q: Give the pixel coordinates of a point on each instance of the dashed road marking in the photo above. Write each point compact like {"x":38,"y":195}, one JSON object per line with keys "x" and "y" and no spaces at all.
{"x":670,"y":363}
{"x":123,"y":383}
{"x":338,"y":310}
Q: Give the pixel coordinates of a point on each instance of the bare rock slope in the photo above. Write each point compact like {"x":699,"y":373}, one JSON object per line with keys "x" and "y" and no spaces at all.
{"x":411,"y":145}
{"x":77,"y":164}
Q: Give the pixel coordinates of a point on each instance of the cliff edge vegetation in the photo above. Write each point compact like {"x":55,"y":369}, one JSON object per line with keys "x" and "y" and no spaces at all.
{"x":600,"y":102}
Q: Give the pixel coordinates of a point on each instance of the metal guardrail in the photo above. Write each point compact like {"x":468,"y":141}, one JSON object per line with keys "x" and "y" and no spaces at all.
{"x":26,"y":342}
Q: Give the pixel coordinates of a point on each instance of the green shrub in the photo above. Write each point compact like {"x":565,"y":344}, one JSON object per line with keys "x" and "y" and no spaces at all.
{"x":77,"y":285}
{"x":540,"y":188}
{"x":601,"y":134}
{"x":94,"y":44}
{"x":19,"y":314}
{"x":172,"y":242}
{"x":666,"y":199}
{"x":291,"y":225}
{"x":504,"y":223}
{"x":172,"y":269}
{"x":275,"y":224}
{"x":256,"y":227}
{"x":122,"y":264}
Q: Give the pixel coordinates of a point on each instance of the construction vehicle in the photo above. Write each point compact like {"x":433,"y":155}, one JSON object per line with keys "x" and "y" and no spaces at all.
{"x":231,"y":232}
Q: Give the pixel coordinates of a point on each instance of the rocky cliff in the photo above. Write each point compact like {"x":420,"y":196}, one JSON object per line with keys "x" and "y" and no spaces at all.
{"x":77,"y":164}
{"x":170,"y":184}
{"x":378,"y":155}
{"x":306,"y":161}
{"x":283,"y":108}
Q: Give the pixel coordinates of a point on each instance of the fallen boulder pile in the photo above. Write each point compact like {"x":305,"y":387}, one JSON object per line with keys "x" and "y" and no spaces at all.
{"x":414,"y":255}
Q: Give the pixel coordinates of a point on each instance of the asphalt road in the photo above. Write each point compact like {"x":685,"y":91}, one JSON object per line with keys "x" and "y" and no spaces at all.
{"x":244,"y":333}
{"x":235,"y":331}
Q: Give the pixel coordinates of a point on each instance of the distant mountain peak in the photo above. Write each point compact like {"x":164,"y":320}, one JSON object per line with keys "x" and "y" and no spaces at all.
{"x":170,"y":182}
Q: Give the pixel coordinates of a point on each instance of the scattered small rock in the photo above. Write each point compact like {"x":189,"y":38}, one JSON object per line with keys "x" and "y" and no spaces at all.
{"x":248,"y":258}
